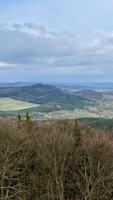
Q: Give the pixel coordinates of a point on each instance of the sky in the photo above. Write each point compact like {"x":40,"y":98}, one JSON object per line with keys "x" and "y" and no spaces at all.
{"x":56,"y":40}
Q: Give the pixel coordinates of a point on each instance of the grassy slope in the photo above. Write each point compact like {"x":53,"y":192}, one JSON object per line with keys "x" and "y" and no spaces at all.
{"x":9,"y":104}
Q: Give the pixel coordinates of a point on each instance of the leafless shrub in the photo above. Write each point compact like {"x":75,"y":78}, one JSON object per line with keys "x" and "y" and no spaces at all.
{"x":60,"y":160}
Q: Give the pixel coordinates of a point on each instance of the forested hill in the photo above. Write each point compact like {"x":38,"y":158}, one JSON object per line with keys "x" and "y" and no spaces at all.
{"x":41,"y":94}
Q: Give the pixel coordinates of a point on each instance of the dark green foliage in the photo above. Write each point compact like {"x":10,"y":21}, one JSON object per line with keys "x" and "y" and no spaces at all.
{"x":99,"y":123}
{"x":19,"y":117}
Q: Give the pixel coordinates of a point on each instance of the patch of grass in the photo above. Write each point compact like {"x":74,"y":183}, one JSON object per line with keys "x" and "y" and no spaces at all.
{"x":9,"y":104}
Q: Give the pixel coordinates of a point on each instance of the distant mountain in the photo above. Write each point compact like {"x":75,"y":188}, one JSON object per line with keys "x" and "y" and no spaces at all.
{"x":89,"y":94}
{"x":43,"y":94}
{"x":16,"y":84}
{"x":86,"y":86}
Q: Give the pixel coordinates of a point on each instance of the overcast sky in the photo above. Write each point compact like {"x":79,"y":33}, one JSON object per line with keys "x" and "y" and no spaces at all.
{"x":56,"y":40}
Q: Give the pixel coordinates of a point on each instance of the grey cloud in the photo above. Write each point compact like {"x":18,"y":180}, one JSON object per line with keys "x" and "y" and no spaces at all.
{"x":31,"y":44}
{"x":34,"y":26}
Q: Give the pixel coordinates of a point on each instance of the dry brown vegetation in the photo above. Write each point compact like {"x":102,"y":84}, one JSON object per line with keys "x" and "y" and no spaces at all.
{"x":60,"y":160}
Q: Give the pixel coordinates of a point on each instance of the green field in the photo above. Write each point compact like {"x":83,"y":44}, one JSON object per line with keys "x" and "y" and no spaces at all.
{"x":9,"y":104}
